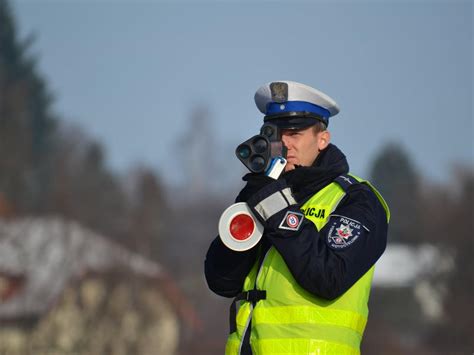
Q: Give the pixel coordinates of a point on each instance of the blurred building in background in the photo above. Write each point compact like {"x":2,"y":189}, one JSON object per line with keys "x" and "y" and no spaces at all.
{"x":67,"y":290}
{"x":408,"y":297}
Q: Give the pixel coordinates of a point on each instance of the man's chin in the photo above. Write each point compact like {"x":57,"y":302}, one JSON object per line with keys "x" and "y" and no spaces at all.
{"x":289,"y":166}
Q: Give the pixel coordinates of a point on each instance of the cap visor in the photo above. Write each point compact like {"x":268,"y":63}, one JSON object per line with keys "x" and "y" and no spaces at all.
{"x":292,"y":122}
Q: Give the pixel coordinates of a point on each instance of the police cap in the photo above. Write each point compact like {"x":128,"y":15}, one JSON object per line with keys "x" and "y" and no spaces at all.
{"x":292,"y":105}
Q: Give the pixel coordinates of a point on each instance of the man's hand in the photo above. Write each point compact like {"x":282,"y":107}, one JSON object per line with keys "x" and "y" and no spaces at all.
{"x":255,"y":182}
{"x":272,"y":200}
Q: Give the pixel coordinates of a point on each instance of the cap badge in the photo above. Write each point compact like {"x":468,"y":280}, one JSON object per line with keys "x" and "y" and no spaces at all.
{"x":279,"y":92}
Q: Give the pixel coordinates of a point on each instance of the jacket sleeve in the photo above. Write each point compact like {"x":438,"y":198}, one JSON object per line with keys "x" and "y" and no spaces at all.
{"x":322,"y":262}
{"x":226,"y":269}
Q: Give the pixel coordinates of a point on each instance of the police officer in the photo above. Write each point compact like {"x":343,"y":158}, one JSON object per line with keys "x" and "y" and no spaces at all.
{"x":304,"y":288}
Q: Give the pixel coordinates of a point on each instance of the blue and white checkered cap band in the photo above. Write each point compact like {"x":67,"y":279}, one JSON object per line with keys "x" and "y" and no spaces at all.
{"x":296,"y":106}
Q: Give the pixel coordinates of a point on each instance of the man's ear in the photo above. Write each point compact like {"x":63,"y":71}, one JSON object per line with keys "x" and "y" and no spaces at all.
{"x":324,"y":138}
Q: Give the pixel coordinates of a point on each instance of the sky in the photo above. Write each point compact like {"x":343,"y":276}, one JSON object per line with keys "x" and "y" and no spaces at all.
{"x":131,"y":73}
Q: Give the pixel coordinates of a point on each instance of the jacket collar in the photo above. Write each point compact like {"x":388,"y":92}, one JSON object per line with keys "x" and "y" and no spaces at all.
{"x":305,"y":181}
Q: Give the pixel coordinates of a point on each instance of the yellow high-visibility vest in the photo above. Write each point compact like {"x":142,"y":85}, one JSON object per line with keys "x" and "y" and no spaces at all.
{"x":290,"y":320}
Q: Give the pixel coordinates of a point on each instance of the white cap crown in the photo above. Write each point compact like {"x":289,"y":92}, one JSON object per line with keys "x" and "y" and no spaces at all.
{"x":283,"y":96}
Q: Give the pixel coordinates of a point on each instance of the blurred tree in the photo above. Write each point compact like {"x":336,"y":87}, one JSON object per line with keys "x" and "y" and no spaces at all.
{"x":196,"y":149}
{"x":451,"y":231}
{"x":149,"y":214}
{"x":100,"y":202}
{"x":43,"y":167}
{"x":395,"y":177}
{"x":84,"y":188}
{"x":27,"y":127}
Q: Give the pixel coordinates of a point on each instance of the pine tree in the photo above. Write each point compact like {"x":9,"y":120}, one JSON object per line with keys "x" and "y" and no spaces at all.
{"x":27,"y":126}
{"x":394,"y":175}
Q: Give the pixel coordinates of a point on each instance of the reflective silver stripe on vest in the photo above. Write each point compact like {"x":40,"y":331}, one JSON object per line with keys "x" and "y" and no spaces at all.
{"x":251,"y":305}
{"x":289,"y":196}
{"x":245,"y":329}
{"x":275,"y":203}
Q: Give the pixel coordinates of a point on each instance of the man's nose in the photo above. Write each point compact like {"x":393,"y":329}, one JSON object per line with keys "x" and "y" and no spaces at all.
{"x":285,"y":140}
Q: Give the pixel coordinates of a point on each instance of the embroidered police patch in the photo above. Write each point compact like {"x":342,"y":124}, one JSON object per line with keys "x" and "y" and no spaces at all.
{"x":343,"y":232}
{"x":292,"y":221}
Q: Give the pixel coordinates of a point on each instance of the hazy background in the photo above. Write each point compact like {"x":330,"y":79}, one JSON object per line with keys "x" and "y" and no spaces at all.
{"x":122,"y":117}
{"x":131,"y":73}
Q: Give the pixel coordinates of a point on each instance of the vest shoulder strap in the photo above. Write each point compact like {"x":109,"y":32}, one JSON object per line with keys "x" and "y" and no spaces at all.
{"x":345,"y":181}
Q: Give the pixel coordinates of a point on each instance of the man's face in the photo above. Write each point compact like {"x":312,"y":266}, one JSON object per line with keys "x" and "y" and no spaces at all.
{"x":303,"y":145}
